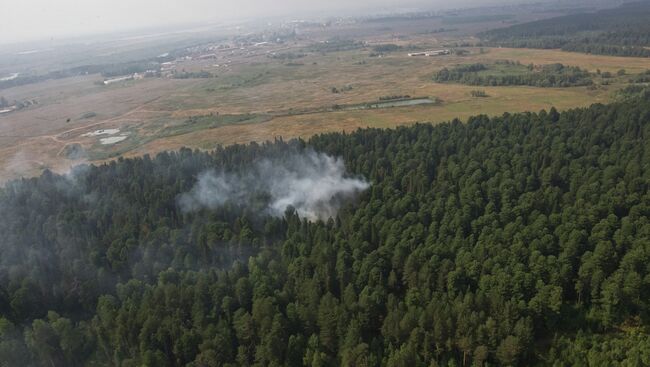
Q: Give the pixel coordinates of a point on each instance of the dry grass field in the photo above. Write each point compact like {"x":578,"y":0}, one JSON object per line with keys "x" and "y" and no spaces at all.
{"x":585,"y":61}
{"x":287,"y":99}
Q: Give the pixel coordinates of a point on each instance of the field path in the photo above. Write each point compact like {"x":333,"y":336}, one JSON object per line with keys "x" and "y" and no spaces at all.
{"x":112,"y":119}
{"x":59,"y":138}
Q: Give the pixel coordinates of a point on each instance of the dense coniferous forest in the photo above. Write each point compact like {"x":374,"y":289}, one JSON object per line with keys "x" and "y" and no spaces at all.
{"x":505,"y":73}
{"x":623,"y":31}
{"x":522,"y":239}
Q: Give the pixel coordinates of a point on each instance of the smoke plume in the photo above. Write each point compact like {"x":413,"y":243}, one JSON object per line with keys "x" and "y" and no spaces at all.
{"x":314,"y":184}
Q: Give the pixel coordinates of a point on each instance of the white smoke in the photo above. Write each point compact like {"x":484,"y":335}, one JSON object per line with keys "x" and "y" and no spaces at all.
{"x":20,"y":164}
{"x":315,"y":184}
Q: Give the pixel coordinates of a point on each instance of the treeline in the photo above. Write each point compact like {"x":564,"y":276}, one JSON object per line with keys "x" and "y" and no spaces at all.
{"x":624,"y":31}
{"x":641,"y":78}
{"x":128,"y":68}
{"x":287,"y":55}
{"x":598,"y":350}
{"x":394,"y":97}
{"x":522,"y":239}
{"x":478,"y":94}
{"x":336,"y":45}
{"x":634,"y":91}
{"x":546,"y":76}
{"x":388,"y":47}
{"x":107,"y":70}
{"x":439,"y":30}
{"x":202,"y":74}
{"x":16,"y":105}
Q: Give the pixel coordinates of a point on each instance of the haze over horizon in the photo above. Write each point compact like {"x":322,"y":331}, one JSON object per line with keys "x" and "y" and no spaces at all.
{"x":37,"y":20}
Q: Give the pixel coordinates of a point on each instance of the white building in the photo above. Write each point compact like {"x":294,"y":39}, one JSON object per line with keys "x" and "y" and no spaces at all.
{"x":116,"y":80}
{"x":431,"y":53}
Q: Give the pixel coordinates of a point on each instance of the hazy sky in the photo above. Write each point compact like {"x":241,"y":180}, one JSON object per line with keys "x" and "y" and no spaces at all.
{"x":44,"y":19}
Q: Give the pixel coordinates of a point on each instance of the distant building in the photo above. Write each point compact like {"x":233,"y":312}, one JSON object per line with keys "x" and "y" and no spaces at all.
{"x":438,"y":53}
{"x":207,"y":57}
{"x":431,"y":53}
{"x":120,"y":79}
{"x":167,"y":66}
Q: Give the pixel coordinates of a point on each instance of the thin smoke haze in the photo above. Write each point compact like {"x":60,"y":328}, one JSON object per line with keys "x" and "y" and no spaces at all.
{"x":314,"y":184}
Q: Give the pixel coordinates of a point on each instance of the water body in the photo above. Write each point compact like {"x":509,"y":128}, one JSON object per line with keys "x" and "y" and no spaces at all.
{"x":404,"y":103}
{"x":389,"y":104}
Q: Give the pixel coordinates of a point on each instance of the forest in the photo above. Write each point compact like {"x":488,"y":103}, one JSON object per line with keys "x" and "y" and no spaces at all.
{"x":508,"y":73}
{"x":522,"y":239}
{"x":622,"y":31}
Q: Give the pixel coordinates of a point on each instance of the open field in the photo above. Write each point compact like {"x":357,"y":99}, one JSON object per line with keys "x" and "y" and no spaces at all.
{"x":584,"y":61}
{"x":500,"y":101}
{"x":264,"y":92}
